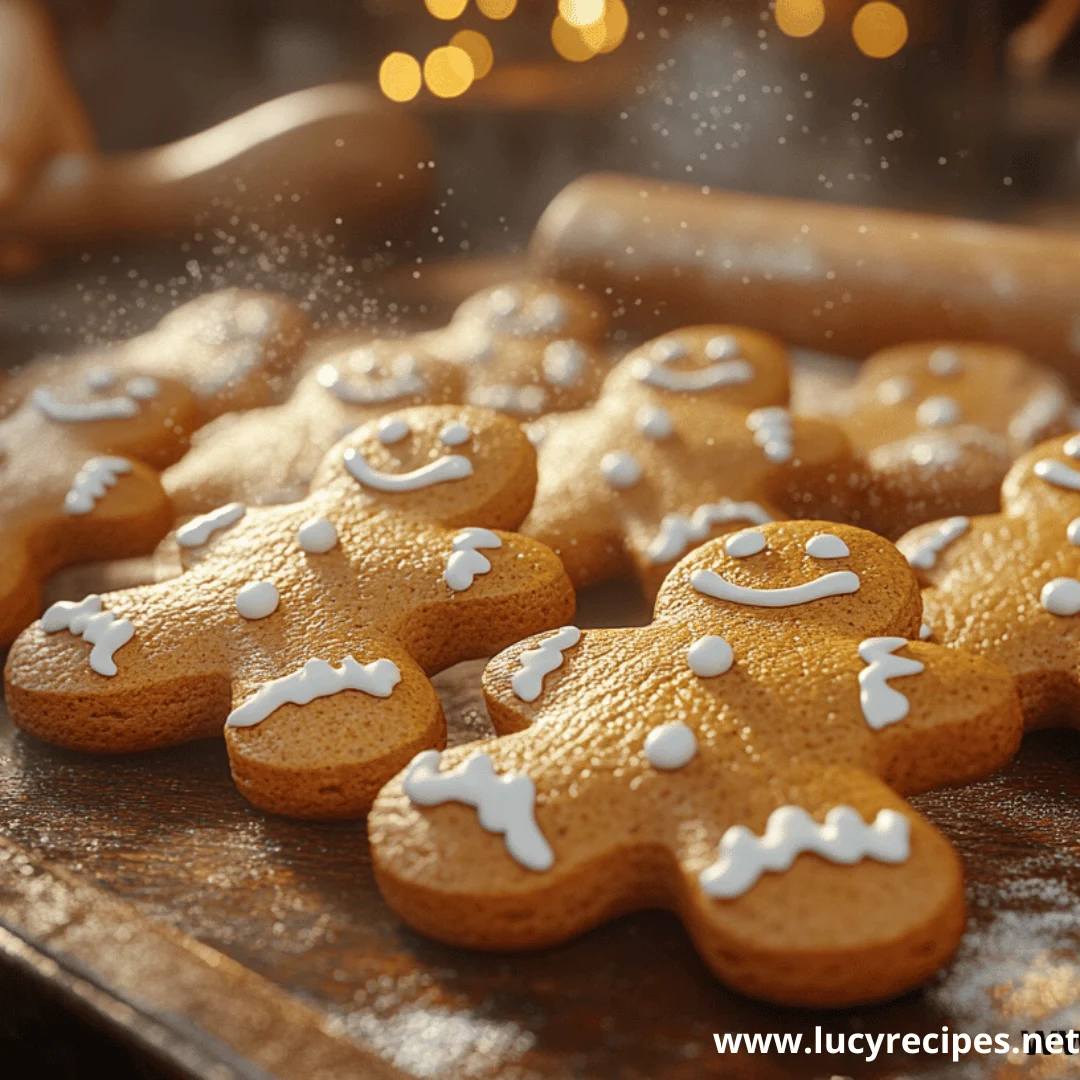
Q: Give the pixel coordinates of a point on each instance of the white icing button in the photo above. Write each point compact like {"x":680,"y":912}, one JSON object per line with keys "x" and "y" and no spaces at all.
{"x":893,"y":391}
{"x":620,"y":470}
{"x":1061,"y":596}
{"x":257,"y":600}
{"x":1073,"y":531}
{"x":710,"y":656}
{"x":563,"y":363}
{"x":722,"y":347}
{"x":926,"y":632}
{"x":936,"y":411}
{"x":100,"y":378}
{"x":826,"y":546}
{"x":944,"y":363}
{"x":392,"y":429}
{"x":742,"y":544}
{"x":670,"y":746}
{"x":454,"y":434}
{"x":503,"y":302}
{"x":142,"y":388}
{"x":654,"y":422}
{"x":317,"y":536}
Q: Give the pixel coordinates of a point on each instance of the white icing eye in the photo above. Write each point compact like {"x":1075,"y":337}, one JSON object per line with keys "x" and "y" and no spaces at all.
{"x":454,"y":434}
{"x":317,"y":536}
{"x":826,"y":546}
{"x":392,"y":430}
{"x":667,"y":349}
{"x":142,"y":388}
{"x":1061,"y":596}
{"x":722,"y":347}
{"x":745,"y":543}
{"x":710,"y":656}
{"x":1072,"y":447}
{"x":934,"y":411}
{"x":670,"y":746}
{"x":100,"y":378}
{"x":620,"y":470}
{"x":893,"y":391}
{"x":257,"y":600}
{"x":654,"y":422}
{"x":944,"y":363}
{"x":563,"y":362}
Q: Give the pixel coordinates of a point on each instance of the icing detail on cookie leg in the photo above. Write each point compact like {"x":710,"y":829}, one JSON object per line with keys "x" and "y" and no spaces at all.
{"x":198,"y":530}
{"x":773,"y":432}
{"x":670,"y":746}
{"x":844,"y":838}
{"x":316,"y":679}
{"x":465,"y":561}
{"x":678,"y":532}
{"x":1061,"y":596}
{"x":92,"y":481}
{"x":96,"y":625}
{"x":1058,"y":474}
{"x":528,"y":682}
{"x":924,"y":552}
{"x":710,"y":656}
{"x":451,"y":467}
{"x":317,"y":536}
{"x":78,"y":412}
{"x":882,"y":704}
{"x":838,"y":583}
{"x":503,"y":804}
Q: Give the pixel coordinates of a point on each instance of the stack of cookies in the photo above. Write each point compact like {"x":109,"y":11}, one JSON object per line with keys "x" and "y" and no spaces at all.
{"x":849,"y":609}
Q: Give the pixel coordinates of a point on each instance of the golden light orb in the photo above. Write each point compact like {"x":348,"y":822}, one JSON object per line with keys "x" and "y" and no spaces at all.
{"x":399,"y":76}
{"x":497,"y":9}
{"x":445,"y":9}
{"x":448,"y":71}
{"x":479,"y":49}
{"x":569,"y":43}
{"x":880,"y":29}
{"x":799,"y":18}
{"x":581,"y":12}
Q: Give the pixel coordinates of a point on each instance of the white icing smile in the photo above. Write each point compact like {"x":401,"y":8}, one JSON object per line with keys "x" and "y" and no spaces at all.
{"x":404,"y":381}
{"x":444,"y":469}
{"x":838,"y":583}
{"x":723,"y":371}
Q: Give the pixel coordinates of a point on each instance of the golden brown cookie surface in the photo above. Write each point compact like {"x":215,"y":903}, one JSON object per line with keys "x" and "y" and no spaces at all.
{"x":77,"y":480}
{"x":309,"y":629}
{"x":739,"y":761}
{"x":1007,"y":586}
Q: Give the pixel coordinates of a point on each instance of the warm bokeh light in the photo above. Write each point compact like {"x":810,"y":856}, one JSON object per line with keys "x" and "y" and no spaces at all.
{"x":479,"y":49}
{"x":568,"y":42}
{"x":581,"y":12}
{"x":880,"y":29}
{"x":497,"y":9}
{"x":445,"y":9}
{"x":448,"y":71}
{"x":800,"y":18}
{"x":607,"y":33}
{"x":399,"y":76}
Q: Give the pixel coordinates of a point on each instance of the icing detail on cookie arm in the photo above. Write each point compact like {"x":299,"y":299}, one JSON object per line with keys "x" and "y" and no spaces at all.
{"x":1058,"y":474}
{"x":316,"y":679}
{"x":75,"y":412}
{"x":923,"y":553}
{"x":374,"y":392}
{"x":844,"y":838}
{"x":92,"y":481}
{"x":838,"y":583}
{"x":883,"y":705}
{"x":722,"y":373}
{"x":678,"y":532}
{"x":504,"y":804}
{"x":465,"y":561}
{"x":198,"y":530}
{"x":97,"y":626}
{"x":528,"y":682}
{"x":451,"y":467}
{"x":774,"y":432}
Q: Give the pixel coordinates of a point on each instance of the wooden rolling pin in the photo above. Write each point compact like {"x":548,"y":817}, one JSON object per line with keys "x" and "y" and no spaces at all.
{"x":342,"y":149}
{"x":840,"y":278}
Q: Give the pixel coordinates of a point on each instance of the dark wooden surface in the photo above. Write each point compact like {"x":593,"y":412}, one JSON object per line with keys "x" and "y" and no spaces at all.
{"x":295,"y":906}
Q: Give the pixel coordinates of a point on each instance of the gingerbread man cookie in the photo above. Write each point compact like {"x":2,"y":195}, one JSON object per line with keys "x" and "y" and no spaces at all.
{"x":270,"y":455}
{"x":1007,"y":585}
{"x":939,"y":424}
{"x":740,"y":761}
{"x":306,"y":631}
{"x":235,"y":348}
{"x":689,"y":438}
{"x":77,"y":480}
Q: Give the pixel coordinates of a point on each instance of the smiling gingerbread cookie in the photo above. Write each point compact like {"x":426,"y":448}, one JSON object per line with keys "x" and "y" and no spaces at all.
{"x":77,"y":480}
{"x":691,"y":437}
{"x":1007,"y":585}
{"x":235,"y":349}
{"x":740,"y":761}
{"x":306,"y":632}
{"x":940,"y":423}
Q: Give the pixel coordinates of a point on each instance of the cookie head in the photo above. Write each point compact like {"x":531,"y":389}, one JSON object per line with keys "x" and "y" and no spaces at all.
{"x":728,"y":364}
{"x":763,"y":583}
{"x":453,"y":464}
{"x":535,"y":308}
{"x":1046,"y":480}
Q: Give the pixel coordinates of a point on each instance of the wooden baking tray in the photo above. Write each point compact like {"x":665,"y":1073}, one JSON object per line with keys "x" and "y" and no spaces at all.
{"x":230,"y":943}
